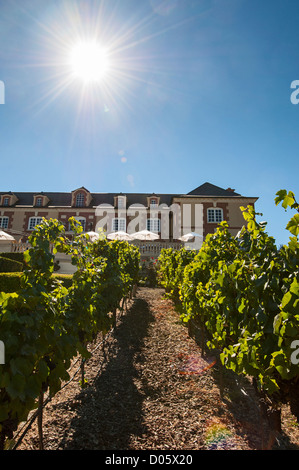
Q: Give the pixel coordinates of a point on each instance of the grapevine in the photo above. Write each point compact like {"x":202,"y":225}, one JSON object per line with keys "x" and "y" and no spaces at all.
{"x":243,"y":292}
{"x":45,"y":325}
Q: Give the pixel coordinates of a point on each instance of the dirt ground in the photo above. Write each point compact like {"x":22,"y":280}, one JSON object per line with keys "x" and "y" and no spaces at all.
{"x":154,"y":391}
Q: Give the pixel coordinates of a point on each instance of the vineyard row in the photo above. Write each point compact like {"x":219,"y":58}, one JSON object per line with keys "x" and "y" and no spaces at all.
{"x":44,"y":325}
{"x":243,"y":293}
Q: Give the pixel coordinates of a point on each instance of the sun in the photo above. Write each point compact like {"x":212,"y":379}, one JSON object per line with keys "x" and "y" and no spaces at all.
{"x":89,"y":61}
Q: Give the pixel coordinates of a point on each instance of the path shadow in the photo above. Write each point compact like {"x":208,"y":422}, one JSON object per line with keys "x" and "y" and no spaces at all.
{"x":241,"y":399}
{"x":110,"y":411}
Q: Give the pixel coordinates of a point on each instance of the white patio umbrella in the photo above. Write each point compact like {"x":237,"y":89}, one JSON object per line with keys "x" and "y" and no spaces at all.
{"x":120,"y":235}
{"x":190,"y":236}
{"x":93,"y":236}
{"x":145,"y":235}
{"x":6,"y":236}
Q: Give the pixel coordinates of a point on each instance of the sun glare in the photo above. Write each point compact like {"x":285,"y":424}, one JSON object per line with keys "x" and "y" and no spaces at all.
{"x":97,"y":59}
{"x":89,"y":62}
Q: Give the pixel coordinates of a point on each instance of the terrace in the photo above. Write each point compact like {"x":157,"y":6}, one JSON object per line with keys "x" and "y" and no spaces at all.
{"x":153,"y":248}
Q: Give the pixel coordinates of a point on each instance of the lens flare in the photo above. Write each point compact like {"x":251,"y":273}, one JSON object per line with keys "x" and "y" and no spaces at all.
{"x":195,"y":364}
{"x":218,"y":436}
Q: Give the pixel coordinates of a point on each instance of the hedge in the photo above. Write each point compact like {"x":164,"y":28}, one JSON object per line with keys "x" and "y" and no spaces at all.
{"x":66,"y":279}
{"x":10,"y":282}
{"x":19,"y":256}
{"x":9,"y":265}
{"x":16,"y":256}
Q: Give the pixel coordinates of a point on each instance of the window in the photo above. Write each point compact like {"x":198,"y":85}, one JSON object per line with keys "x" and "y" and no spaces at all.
{"x":121,"y":202}
{"x":80,"y":200}
{"x":153,"y":203}
{"x":82,"y":221}
{"x":3,"y":222}
{"x":119,"y":224}
{"x":6,"y":201}
{"x":215,"y":215}
{"x":39,"y":201}
{"x":33,"y":221}
{"x":153,"y":225}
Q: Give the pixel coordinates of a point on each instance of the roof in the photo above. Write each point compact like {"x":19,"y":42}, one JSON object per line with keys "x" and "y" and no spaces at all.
{"x":64,"y":199}
{"x":208,"y":189}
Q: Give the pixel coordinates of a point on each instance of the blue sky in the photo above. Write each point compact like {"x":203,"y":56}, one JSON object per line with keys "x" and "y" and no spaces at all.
{"x":199,"y":90}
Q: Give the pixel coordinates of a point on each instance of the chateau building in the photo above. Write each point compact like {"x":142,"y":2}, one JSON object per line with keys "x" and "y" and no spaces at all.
{"x":169,"y":215}
{"x":198,"y":211}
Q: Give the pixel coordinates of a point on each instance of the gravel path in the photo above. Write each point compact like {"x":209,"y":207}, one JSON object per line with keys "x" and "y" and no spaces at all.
{"x":155,"y":392}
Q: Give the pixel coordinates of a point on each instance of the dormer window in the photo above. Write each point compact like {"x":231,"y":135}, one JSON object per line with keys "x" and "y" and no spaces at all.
{"x":121,"y":202}
{"x":8,"y":199}
{"x":80,"y":200}
{"x":153,"y":201}
{"x":40,"y":200}
{"x":81,"y":197}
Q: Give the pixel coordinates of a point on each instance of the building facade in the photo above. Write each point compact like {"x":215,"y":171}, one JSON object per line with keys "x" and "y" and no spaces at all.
{"x":169,"y":215}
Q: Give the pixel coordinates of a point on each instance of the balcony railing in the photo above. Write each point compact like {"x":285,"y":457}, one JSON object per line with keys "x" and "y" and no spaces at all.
{"x":146,"y":248}
{"x":19,"y":247}
{"x":153,"y":248}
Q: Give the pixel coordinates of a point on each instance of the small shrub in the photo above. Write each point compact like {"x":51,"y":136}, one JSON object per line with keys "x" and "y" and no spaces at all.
{"x":11,"y":282}
{"x":9,"y":265}
{"x":16,"y":256}
{"x":66,"y":279}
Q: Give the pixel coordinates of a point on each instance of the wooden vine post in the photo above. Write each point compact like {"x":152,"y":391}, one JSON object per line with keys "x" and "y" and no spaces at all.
{"x":40,"y":420}
{"x":82,"y":373}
